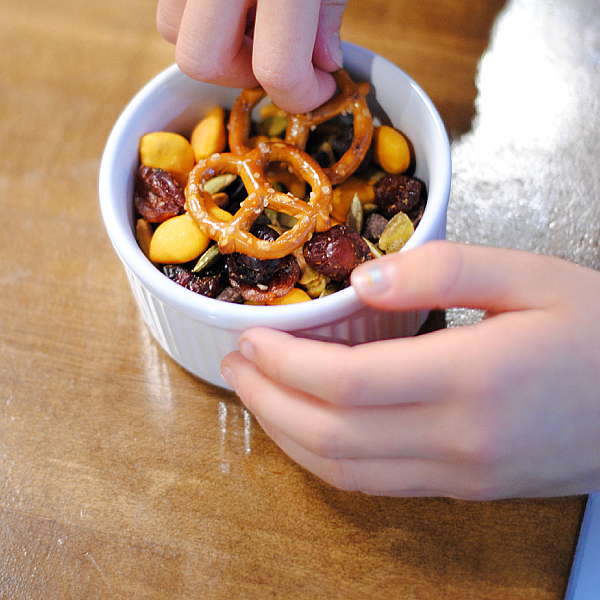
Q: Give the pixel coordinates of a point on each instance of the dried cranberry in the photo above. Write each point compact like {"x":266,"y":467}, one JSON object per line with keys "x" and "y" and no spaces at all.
{"x":157,"y":195}
{"x":336,"y":252}
{"x":262,"y":280}
{"x":209,"y":284}
{"x":398,"y":193}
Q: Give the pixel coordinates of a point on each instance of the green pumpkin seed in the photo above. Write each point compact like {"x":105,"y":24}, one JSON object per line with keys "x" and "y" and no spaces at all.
{"x":355,"y":216}
{"x":396,"y":234}
{"x":219,"y":183}
{"x":207,"y":258}
{"x":375,"y":251}
{"x":331,"y":288}
{"x":273,"y":126}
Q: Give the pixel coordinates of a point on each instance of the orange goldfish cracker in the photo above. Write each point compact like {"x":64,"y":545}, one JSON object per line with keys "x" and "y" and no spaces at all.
{"x":215,"y":210}
{"x":177,"y":240}
{"x":143,"y":234}
{"x":343,"y":194}
{"x":168,"y":151}
{"x":209,"y":136}
{"x":390,"y":150}
{"x":293,"y":184}
{"x":294,"y":296}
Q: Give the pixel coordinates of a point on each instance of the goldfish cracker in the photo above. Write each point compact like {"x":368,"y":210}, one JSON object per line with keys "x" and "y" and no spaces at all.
{"x":168,"y":151}
{"x":209,"y":136}
{"x":143,"y":234}
{"x":390,"y":150}
{"x":216,"y":211}
{"x":294,"y":296}
{"x":343,"y":194}
{"x":177,"y":240}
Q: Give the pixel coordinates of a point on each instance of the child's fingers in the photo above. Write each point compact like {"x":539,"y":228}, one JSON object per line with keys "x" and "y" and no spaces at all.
{"x":327,"y":54}
{"x":445,"y":275}
{"x":284,"y":41}
{"x":212,"y":44}
{"x":400,"y":371}
{"x":335,"y":431}
{"x":392,"y":452}
{"x":168,"y":18}
{"x":406,"y":477}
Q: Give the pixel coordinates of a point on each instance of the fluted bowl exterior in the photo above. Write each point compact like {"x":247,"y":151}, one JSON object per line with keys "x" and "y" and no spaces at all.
{"x":197,"y":332}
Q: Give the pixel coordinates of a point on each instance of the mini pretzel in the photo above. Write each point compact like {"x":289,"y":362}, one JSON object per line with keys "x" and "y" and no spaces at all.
{"x":234,"y":235}
{"x":351,"y":98}
{"x":240,"y":119}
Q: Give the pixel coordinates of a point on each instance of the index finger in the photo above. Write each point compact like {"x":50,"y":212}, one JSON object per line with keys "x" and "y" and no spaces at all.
{"x":285,"y":33}
{"x":358,"y":375}
{"x":442,"y":274}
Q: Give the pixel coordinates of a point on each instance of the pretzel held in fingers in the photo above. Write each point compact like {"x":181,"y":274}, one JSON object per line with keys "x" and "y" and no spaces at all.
{"x":233,"y":235}
{"x":350,"y":98}
{"x":240,"y":120}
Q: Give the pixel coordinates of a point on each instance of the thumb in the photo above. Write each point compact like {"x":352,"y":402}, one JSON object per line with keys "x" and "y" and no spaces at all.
{"x":444,"y":274}
{"x":327,"y":53}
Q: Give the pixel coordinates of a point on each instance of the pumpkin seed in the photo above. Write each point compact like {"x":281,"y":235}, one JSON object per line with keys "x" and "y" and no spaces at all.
{"x":273,"y":126}
{"x":286,"y":221}
{"x":396,"y":233}
{"x":331,"y":288}
{"x":207,"y":258}
{"x":375,"y":251}
{"x":355,"y":216}
{"x":219,"y":183}
{"x":314,"y":282}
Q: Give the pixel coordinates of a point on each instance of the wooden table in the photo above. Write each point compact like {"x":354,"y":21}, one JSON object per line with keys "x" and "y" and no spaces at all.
{"x":121,"y":475}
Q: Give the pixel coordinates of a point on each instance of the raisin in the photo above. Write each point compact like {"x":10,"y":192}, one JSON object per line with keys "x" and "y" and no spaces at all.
{"x":398,"y":193}
{"x":230,"y":295}
{"x":262,"y":280}
{"x":336,"y":252}
{"x":374,"y":227}
{"x":417,"y":213}
{"x":157,"y":195}
{"x":329,"y":141}
{"x":209,"y":284}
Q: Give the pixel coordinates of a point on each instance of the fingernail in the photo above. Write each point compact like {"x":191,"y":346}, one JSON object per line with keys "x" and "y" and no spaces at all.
{"x":247,"y":350}
{"x":334,"y":47}
{"x":228,"y":376}
{"x":370,"y":280}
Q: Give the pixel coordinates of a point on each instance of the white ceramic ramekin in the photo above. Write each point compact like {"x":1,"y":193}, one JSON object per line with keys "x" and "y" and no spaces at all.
{"x":197,"y":332}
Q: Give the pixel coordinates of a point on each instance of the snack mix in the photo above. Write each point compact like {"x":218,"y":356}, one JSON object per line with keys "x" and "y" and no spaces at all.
{"x":280,"y":209}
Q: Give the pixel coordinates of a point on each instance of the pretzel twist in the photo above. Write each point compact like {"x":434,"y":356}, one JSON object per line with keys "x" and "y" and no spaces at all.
{"x":240,"y":119}
{"x":233,"y":235}
{"x":351,"y":98}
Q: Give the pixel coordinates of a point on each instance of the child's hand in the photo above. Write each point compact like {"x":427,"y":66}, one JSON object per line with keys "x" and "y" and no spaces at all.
{"x":507,"y":407}
{"x":287,"y":46}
